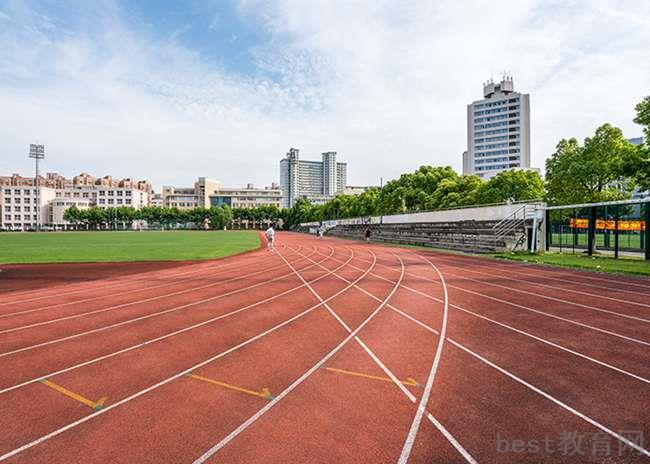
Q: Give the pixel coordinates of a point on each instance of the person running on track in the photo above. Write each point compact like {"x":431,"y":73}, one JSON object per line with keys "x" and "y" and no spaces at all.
{"x":270,"y":236}
{"x":368,"y":234}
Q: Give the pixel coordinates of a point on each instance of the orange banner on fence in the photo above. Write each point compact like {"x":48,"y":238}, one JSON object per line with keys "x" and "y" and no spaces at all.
{"x":602,"y":224}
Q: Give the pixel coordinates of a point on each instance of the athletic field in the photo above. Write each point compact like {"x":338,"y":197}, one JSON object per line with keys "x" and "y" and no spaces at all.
{"x":326,"y":351}
{"x":58,"y":247}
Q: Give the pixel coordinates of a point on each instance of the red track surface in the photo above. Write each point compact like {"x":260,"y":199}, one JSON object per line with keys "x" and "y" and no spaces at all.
{"x":534,"y":365}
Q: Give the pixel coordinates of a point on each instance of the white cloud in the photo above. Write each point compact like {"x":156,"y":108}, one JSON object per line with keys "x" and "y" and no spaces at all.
{"x":386,"y":84}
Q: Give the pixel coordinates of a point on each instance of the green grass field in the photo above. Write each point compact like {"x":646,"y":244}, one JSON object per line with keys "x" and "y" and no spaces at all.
{"x":66,"y":247}
{"x":623,"y":265}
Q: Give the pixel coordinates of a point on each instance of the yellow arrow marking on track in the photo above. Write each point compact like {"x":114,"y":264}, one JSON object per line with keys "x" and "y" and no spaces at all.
{"x":263,"y":393}
{"x":75,"y":396}
{"x":410,"y":381}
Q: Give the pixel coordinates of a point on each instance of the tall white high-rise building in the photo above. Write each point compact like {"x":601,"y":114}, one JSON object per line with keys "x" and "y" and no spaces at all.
{"x":498,"y":131}
{"x":316,"y":181}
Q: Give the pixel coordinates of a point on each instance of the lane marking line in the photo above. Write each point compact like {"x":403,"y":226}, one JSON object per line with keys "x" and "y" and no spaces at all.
{"x":205,"y":456}
{"x":570,"y":321}
{"x":99,"y":404}
{"x":138,"y":302}
{"x":146,"y":316}
{"x":456,"y":264}
{"x":121,"y":281}
{"x":461,"y":450}
{"x":552,"y":298}
{"x":410,"y":381}
{"x":424,"y":399}
{"x":155,"y":386}
{"x":530,"y":386}
{"x":157,"y":339}
{"x":263,"y":393}
{"x":153,"y":287}
{"x":550,"y":343}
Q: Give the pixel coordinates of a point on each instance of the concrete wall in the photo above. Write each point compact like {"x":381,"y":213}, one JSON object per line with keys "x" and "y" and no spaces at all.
{"x":477,"y":213}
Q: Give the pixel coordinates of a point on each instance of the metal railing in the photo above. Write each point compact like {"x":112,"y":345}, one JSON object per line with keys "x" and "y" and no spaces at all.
{"x":511,"y":224}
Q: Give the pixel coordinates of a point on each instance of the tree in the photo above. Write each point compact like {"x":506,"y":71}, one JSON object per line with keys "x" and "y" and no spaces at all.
{"x":637,"y":164}
{"x":220,"y":216}
{"x":643,"y":116}
{"x":512,"y":185}
{"x":591,"y":172}
{"x":72,"y":215}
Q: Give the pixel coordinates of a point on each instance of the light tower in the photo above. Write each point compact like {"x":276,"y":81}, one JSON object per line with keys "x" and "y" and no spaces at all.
{"x":38,"y":153}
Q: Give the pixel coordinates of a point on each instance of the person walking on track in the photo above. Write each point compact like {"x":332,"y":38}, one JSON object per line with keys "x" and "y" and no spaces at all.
{"x":270,"y":236}
{"x":368,"y":234}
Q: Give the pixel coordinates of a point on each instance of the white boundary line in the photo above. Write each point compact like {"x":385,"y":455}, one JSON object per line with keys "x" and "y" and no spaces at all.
{"x":550,"y":343}
{"x":162,"y":337}
{"x":579,"y":273}
{"x":560,"y":289}
{"x":424,"y":399}
{"x":542,"y":275}
{"x":168,"y":380}
{"x":468,"y":457}
{"x":300,"y":379}
{"x":536,"y":389}
{"x":140,"y":318}
{"x":146,"y":276}
{"x":204,"y":269}
{"x":570,"y":321}
{"x":140,"y":301}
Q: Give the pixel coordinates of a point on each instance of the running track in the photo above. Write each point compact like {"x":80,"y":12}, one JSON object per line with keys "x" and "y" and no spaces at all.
{"x":328,"y":351}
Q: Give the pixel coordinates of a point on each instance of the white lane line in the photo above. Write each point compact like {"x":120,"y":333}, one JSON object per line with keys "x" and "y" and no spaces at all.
{"x":163,"y":337}
{"x":570,"y":321}
{"x":300,"y":379}
{"x":533,"y":388}
{"x":424,"y":399}
{"x":143,"y":300}
{"x":169,"y":379}
{"x":463,"y":452}
{"x":204,"y":269}
{"x":146,"y":316}
{"x":559,"y":271}
{"x":123,"y":281}
{"x":547,"y":342}
{"x":552,"y":298}
{"x":457,"y":264}
{"x":550,"y":343}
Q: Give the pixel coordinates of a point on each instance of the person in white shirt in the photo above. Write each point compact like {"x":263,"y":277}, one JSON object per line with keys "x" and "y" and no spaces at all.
{"x":270,"y":236}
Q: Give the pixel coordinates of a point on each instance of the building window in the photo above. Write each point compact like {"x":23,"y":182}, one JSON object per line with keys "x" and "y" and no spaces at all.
{"x":128,"y":201}
{"x":119,"y":201}
{"x":119,"y":193}
{"x":7,"y":191}
{"x":102,"y":192}
{"x":17,"y":192}
{"x":27,"y":209}
{"x":8,"y":209}
{"x":111,"y":201}
{"x":102,"y":201}
{"x":17,"y":209}
{"x":111,"y":193}
{"x":16,"y":217}
{"x":7,"y":217}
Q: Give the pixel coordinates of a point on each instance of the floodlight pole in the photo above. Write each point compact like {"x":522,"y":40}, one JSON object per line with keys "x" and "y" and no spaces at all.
{"x":37,"y":152}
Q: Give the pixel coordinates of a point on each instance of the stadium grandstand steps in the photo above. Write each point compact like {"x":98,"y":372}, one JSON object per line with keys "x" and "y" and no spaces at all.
{"x":467,"y":236}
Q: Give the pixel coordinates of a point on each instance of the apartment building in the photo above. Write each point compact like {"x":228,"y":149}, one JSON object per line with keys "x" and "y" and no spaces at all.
{"x":248,"y":197}
{"x":316,"y":181}
{"x":498,"y":131}
{"x":22,"y":208}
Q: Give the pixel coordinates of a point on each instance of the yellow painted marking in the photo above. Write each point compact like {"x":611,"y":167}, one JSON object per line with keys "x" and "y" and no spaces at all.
{"x":263,"y":393}
{"x":410,"y":381}
{"x":75,"y":396}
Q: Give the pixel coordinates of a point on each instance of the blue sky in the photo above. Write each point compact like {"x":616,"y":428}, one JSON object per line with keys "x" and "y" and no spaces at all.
{"x":171,"y":91}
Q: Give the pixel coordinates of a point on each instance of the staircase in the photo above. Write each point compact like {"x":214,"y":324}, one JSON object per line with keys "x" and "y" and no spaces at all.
{"x":514,"y":225}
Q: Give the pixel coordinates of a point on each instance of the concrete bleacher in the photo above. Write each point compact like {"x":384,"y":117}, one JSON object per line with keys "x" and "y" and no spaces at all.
{"x":467,"y":236}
